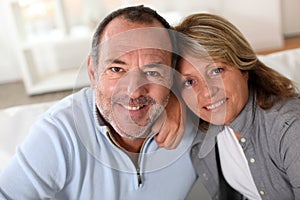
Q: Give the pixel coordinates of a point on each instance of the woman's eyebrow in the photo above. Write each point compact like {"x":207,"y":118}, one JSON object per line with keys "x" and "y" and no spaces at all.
{"x":209,"y":64}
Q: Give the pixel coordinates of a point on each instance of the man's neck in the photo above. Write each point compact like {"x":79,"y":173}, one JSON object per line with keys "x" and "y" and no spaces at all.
{"x":130,"y":145}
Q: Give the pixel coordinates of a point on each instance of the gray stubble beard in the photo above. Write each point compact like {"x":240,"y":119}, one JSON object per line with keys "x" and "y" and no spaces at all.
{"x":105,"y":110}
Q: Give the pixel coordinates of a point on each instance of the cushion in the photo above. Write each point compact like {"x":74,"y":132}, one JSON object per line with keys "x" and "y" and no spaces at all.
{"x":15,"y":123}
{"x":285,"y":62}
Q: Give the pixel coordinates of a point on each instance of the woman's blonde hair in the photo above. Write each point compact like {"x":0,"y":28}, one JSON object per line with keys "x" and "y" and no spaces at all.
{"x":208,"y":34}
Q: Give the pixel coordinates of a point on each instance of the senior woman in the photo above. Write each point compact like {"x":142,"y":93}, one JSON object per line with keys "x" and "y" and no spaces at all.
{"x":248,"y":144}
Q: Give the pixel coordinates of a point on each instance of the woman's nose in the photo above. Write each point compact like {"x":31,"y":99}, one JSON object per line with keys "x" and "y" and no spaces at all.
{"x":209,"y":88}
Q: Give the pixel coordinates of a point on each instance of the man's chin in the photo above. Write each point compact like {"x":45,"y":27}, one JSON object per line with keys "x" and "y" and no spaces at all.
{"x":133,"y":132}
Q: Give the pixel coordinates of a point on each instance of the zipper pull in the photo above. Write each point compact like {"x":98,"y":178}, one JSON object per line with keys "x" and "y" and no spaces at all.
{"x":139,"y":177}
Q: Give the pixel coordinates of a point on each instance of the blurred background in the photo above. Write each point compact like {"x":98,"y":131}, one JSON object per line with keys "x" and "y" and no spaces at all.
{"x":44,"y":43}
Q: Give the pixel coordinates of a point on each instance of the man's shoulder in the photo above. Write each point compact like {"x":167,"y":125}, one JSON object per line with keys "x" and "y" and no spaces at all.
{"x":81,"y":99}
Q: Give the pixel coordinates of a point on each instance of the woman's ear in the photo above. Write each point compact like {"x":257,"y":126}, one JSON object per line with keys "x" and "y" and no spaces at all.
{"x":91,"y":71}
{"x":246,"y":75}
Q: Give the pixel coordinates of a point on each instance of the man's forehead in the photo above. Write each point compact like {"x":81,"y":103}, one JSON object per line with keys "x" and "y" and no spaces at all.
{"x":154,"y":55}
{"x":150,"y":39}
{"x":132,"y":35}
{"x":120,"y":24}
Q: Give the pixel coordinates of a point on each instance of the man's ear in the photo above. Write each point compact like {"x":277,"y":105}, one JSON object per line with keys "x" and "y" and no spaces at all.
{"x":91,"y":71}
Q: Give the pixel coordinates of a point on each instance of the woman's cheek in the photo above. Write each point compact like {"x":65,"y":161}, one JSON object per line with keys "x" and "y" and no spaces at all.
{"x":191,"y":100}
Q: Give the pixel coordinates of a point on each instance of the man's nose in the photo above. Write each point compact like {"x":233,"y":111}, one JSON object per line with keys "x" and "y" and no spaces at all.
{"x":135,"y":83}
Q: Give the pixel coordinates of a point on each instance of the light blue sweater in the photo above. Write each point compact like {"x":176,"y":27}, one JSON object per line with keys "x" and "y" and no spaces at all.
{"x":68,"y":155}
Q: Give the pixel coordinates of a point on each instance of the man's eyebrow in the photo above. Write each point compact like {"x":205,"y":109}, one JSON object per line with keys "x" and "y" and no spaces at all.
{"x":115,"y":61}
{"x":153,"y":65}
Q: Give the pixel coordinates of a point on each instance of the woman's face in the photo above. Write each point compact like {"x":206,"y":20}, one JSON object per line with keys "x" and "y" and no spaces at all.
{"x":214,"y":91}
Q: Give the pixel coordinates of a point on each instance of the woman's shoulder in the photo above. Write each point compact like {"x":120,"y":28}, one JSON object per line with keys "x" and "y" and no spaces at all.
{"x":287,"y":107}
{"x":282,"y":114}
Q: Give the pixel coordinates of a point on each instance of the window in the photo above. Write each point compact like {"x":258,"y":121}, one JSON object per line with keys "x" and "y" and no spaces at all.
{"x":53,"y":43}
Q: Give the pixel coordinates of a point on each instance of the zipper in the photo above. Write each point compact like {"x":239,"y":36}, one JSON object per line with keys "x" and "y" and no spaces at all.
{"x":136,"y":164}
{"x":139,"y":177}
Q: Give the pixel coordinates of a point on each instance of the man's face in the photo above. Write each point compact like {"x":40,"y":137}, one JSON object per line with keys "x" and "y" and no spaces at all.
{"x":134,"y":76}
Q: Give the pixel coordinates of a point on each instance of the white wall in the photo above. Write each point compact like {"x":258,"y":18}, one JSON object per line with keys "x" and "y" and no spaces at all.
{"x":259,"y":21}
{"x":9,"y":69}
{"x":291,"y":17}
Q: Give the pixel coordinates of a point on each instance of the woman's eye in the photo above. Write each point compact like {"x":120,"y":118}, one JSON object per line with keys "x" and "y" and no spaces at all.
{"x":217,"y":71}
{"x":188,"y":83}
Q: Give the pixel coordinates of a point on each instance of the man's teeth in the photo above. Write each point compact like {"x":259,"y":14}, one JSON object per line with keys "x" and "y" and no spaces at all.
{"x":215,"y":105}
{"x":132,"y":107}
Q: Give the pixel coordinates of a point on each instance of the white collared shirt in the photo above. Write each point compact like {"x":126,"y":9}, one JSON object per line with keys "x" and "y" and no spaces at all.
{"x":234,"y":164}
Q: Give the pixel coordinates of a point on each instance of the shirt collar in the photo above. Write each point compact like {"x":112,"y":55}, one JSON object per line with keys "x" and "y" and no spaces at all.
{"x":241,"y":125}
{"x":97,"y":116}
{"x":208,"y":139}
{"x":245,"y":119}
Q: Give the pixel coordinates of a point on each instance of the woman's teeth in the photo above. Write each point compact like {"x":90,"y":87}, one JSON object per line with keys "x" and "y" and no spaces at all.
{"x":215,"y":105}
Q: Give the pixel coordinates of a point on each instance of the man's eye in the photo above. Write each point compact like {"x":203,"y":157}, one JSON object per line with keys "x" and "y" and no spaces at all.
{"x":188,"y":83}
{"x":153,"y":74}
{"x":116,"y":69}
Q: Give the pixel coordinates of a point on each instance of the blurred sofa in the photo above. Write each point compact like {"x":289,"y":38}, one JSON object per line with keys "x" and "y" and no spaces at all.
{"x":286,"y":62}
{"x":16,"y":121}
